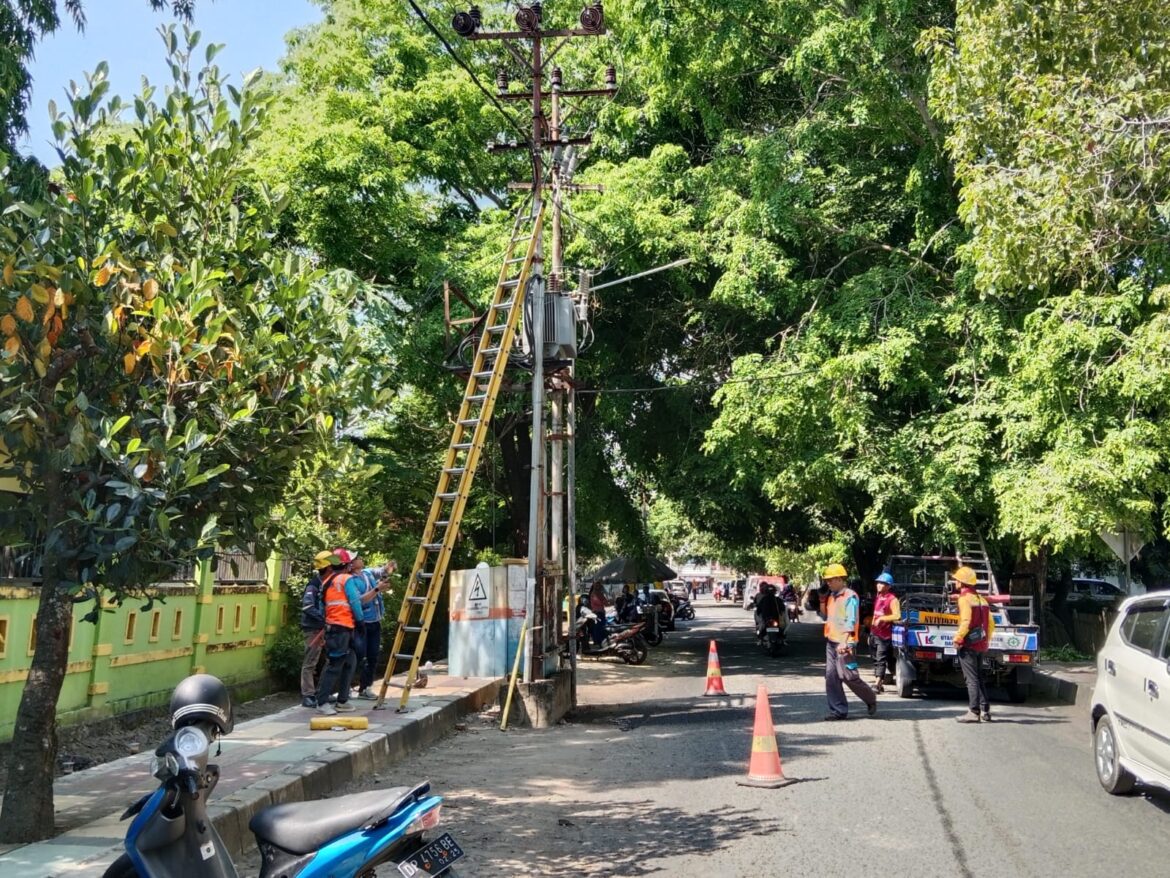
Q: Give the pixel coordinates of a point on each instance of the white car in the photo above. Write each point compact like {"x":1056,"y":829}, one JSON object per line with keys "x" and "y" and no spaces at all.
{"x":1131,"y":719}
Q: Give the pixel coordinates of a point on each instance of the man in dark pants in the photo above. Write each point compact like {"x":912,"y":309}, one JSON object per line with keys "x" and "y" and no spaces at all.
{"x":975,"y":629}
{"x":842,"y":624}
{"x":313,"y":627}
{"x":372,"y":584}
{"x":343,"y":609}
{"x":886,"y":611}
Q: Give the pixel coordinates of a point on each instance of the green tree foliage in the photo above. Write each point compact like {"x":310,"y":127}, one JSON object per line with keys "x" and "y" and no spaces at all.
{"x":1060,"y":145}
{"x":164,"y":365}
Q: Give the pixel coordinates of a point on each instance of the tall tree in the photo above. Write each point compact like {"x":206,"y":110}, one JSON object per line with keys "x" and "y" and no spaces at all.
{"x":164,"y":365}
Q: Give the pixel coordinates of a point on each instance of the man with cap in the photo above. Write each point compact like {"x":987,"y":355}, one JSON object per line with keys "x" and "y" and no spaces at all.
{"x":313,"y":627}
{"x":842,"y":624}
{"x":343,"y":613}
{"x":886,"y":611}
{"x":976,"y":626}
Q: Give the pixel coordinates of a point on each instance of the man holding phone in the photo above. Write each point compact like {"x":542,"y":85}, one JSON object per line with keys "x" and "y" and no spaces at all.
{"x":374,"y":583}
{"x":842,"y":624}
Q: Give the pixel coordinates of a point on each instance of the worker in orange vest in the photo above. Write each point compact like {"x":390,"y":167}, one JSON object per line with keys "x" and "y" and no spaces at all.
{"x":972,"y":639}
{"x":343,"y":609}
{"x":842,"y":626}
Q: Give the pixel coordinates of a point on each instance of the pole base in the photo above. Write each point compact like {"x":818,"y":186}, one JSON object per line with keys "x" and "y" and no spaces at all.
{"x":765,"y":784}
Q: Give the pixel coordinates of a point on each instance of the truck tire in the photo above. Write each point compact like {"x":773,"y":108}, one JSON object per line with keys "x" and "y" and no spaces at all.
{"x":904,"y":678}
{"x":1107,"y":759}
{"x":1018,"y":690}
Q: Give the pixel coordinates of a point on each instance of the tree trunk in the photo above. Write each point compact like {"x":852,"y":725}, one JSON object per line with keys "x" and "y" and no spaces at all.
{"x":28,"y":796}
{"x":1036,"y":570}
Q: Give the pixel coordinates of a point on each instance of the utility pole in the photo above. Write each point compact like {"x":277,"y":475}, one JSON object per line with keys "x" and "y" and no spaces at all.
{"x":529,"y":45}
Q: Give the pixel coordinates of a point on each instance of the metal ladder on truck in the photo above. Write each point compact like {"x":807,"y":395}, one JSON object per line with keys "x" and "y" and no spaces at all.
{"x":463,"y":453}
{"x":972,"y":552}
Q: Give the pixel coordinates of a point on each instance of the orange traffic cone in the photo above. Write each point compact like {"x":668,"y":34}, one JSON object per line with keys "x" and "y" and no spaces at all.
{"x":714,"y":674}
{"x":764,"y":765}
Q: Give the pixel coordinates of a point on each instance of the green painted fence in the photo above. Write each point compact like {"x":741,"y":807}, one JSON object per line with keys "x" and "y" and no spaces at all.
{"x":219,"y":622}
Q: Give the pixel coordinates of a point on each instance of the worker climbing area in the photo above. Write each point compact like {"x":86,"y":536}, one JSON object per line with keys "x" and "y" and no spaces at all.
{"x":533,"y":312}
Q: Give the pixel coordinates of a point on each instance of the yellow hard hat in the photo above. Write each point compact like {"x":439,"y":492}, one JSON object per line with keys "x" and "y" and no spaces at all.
{"x":965,"y":575}
{"x":323,"y":559}
{"x":835,"y":571}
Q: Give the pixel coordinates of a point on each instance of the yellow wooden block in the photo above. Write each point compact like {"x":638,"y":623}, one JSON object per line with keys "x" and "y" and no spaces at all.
{"x":325,"y":723}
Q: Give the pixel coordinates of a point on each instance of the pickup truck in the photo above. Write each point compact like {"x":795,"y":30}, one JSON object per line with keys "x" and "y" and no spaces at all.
{"x":924,"y":640}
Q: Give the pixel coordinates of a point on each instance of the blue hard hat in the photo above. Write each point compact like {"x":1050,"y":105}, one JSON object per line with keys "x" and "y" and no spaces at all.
{"x":886,"y":577}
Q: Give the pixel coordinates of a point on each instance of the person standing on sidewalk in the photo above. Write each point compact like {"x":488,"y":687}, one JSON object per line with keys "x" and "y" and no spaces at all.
{"x":372,"y":584}
{"x":975,"y":629}
{"x":313,"y":627}
{"x":343,"y":609}
{"x":886,"y":611}
{"x":842,"y":624}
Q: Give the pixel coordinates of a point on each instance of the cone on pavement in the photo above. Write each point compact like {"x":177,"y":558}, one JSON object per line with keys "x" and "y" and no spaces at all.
{"x":764,"y":765}
{"x":714,"y":674}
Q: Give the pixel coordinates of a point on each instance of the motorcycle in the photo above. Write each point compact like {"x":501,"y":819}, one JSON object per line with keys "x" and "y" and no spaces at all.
{"x":172,"y":835}
{"x":683,"y":609}
{"x":773,"y":637}
{"x":793,"y":609}
{"x":617,"y":645}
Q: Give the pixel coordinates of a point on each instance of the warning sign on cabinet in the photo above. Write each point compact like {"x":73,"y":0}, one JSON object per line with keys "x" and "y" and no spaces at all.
{"x":477,"y":599}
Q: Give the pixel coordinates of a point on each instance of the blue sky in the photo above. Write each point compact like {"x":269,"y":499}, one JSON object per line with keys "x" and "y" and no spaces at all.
{"x":123,"y":33}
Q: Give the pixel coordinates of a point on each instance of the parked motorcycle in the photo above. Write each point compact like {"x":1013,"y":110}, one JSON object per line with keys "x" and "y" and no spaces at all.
{"x":616,"y":645}
{"x":683,"y":609}
{"x":172,"y":835}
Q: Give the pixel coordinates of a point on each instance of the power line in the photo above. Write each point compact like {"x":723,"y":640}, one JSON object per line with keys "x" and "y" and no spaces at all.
{"x":696,"y":385}
{"x":455,"y":57}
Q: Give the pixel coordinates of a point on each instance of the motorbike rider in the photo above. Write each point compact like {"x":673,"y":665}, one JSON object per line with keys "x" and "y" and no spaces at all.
{"x":768,"y":608}
{"x":787,"y":592}
{"x":597,"y":602}
{"x":886,"y":611}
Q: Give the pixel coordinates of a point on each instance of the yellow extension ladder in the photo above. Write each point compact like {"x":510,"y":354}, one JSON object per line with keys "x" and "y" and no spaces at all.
{"x":462,"y":458}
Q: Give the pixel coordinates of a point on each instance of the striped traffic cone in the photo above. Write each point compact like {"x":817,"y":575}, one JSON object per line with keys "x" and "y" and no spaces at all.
{"x":714,"y":674}
{"x":764,"y":765}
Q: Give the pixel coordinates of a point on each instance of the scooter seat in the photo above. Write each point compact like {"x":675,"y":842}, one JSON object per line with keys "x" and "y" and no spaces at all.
{"x":302,"y":827}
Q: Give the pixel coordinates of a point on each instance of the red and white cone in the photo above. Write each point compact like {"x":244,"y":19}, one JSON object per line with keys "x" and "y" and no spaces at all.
{"x":714,"y":674}
{"x":764,"y":768}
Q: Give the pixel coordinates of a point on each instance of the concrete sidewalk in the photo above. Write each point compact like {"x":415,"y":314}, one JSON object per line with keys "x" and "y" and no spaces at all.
{"x":265,"y":761}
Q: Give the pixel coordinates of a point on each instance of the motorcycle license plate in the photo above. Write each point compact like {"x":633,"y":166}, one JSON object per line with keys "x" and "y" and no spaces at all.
{"x":774,"y":630}
{"x":435,"y":859}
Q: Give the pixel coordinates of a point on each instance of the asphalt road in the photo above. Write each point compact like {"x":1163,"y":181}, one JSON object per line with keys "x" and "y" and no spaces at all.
{"x":642,"y":781}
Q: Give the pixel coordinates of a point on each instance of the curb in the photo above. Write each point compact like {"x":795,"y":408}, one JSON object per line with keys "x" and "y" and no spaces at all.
{"x":321,"y":774}
{"x":1059,"y":688}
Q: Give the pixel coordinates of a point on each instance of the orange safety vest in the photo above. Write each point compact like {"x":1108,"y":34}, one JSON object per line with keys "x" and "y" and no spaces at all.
{"x":337,"y":608}
{"x":835,"y":617}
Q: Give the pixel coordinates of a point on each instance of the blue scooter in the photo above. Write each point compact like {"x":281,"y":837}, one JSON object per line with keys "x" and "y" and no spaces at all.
{"x":172,"y":836}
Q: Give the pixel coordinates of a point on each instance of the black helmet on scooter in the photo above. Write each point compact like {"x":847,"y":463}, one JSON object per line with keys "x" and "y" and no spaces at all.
{"x":202,"y":698}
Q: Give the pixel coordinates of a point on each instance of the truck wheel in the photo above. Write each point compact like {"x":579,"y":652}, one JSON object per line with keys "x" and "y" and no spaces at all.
{"x":1017,"y":691}
{"x":1107,"y":757}
{"x":904,"y":678}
